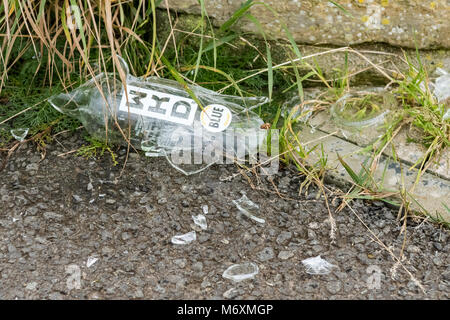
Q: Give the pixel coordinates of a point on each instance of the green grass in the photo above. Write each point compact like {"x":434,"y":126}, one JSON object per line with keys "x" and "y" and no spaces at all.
{"x":96,"y":148}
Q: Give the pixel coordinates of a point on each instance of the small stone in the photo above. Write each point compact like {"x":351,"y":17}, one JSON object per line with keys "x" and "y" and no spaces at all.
{"x":284,"y":255}
{"x":317,"y":249}
{"x":53,"y":216}
{"x":32,"y":167}
{"x":446,"y":275}
{"x":266,"y":254}
{"x":55,"y":296}
{"x":96,"y":296}
{"x":41,"y":240}
{"x":107,"y":250}
{"x":173,"y":278}
{"x":413,"y":249}
{"x":133,"y":156}
{"x":149,"y":208}
{"x":334,"y":287}
{"x":284,"y":237}
{"x":311,"y":196}
{"x":126,"y":236}
{"x":438,"y":261}
{"x":77,"y":198}
{"x":185,"y":203}
{"x":197,"y":267}
{"x":31,"y":286}
{"x":284,"y":182}
{"x":378,"y":203}
{"x":162,"y":200}
{"x":89,"y":186}
{"x":159,"y":289}
{"x":230,"y":293}
{"x":110,"y":201}
{"x":311,"y":234}
{"x":388,"y":215}
{"x":180,"y":262}
{"x":138,"y":294}
{"x":313,"y":225}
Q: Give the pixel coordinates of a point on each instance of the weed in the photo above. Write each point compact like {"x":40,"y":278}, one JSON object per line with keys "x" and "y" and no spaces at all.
{"x":96,"y":148}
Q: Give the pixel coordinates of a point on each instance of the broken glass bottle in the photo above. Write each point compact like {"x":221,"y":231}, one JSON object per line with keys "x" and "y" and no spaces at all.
{"x":162,"y":116}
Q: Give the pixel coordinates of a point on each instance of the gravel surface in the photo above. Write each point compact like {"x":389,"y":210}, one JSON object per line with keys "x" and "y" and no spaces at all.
{"x":69,"y":229}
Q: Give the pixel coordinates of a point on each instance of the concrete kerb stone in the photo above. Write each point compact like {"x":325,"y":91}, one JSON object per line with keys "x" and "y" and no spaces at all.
{"x":409,"y":153}
{"x":432,"y":192}
{"x":409,"y":23}
{"x":387,"y":57}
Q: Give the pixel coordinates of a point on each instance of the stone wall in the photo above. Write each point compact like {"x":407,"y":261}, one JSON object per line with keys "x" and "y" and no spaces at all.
{"x":319,"y":22}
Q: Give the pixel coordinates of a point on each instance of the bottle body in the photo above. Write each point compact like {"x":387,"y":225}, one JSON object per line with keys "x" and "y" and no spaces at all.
{"x":160,"y":117}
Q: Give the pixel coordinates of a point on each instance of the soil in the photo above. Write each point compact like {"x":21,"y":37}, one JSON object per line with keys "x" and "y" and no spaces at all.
{"x":60,"y":211}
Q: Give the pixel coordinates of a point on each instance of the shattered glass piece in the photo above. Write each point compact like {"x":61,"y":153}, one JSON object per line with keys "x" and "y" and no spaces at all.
{"x":296,"y":109}
{"x":205,"y":209}
{"x":90,"y":261}
{"x":184,"y":238}
{"x":447,"y":115}
{"x":230,"y":293}
{"x":248,"y":208}
{"x":20,"y":133}
{"x":193,"y":168}
{"x":200,"y":221}
{"x":317,"y":265}
{"x":363,"y":109}
{"x":442,"y":91}
{"x":239,"y":272}
{"x":442,"y":85}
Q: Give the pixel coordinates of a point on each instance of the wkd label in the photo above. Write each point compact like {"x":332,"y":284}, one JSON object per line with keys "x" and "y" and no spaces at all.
{"x":159,"y":105}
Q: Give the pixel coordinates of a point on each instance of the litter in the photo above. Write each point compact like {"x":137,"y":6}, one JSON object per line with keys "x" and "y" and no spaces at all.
{"x":446,"y":116}
{"x":248,"y":208}
{"x":230,"y":293}
{"x":298,"y":110}
{"x":363,"y":109}
{"x":165,"y":119}
{"x":90,"y":261}
{"x":184,"y":238}
{"x":442,"y":85}
{"x":205,"y":209}
{"x":239,"y":272}
{"x":200,"y":221}
{"x":317,"y":265}
{"x":442,"y":91}
{"x":20,"y":133}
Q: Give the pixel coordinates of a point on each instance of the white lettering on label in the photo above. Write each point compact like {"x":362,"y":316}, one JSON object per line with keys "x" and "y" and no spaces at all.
{"x":215,"y":117}
{"x":159,"y":105}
